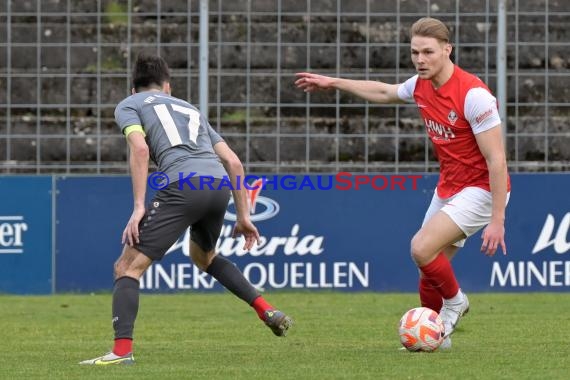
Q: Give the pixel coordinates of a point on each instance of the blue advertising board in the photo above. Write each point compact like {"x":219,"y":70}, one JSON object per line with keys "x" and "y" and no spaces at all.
{"x":341,"y":238}
{"x":26,"y":235}
{"x":91,"y":215}
{"x":537,"y":238}
{"x":313,"y":239}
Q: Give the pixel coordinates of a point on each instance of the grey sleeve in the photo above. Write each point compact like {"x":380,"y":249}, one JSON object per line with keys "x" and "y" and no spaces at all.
{"x":214,"y":136}
{"x":126,"y":114}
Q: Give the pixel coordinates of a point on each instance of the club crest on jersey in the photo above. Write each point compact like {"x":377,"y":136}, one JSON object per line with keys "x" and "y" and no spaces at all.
{"x":452,"y":117}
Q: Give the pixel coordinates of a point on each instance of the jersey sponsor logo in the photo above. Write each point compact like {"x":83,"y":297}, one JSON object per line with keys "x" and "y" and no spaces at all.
{"x":269,"y":208}
{"x":150,"y":99}
{"x":12,"y":230}
{"x":479,"y":118}
{"x":438,"y":131}
{"x":452,"y":117}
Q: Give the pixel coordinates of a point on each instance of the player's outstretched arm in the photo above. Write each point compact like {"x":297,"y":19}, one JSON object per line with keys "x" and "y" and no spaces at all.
{"x":373,"y":91}
{"x":234,"y":168}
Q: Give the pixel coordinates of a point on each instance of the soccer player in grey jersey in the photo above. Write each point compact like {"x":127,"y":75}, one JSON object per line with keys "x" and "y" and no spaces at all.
{"x":179,"y":140}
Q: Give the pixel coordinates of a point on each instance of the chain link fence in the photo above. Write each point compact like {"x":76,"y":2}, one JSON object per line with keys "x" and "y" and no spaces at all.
{"x":65,"y":64}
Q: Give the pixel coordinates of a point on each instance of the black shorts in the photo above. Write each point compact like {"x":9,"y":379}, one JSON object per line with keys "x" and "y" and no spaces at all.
{"x":173,"y":210}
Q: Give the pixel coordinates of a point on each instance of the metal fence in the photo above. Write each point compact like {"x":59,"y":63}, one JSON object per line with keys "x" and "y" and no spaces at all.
{"x":64,"y":64}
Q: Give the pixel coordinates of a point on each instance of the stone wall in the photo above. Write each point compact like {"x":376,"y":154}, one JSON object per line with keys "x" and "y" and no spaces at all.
{"x":77,"y":134}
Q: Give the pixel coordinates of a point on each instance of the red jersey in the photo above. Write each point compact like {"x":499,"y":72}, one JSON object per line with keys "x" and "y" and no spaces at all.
{"x":462,"y":107}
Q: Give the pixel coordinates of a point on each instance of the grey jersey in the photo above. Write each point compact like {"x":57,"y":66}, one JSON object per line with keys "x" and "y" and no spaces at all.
{"x":180,"y":139}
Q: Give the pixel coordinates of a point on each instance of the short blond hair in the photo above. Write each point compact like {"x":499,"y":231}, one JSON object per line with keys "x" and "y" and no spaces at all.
{"x":430,"y":27}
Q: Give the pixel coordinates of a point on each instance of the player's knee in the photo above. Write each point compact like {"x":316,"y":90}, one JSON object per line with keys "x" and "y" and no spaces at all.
{"x":202,"y":263}
{"x":202,"y":260}
{"x":201,"y":257}
{"x":119,"y":269}
{"x":417,"y":250}
{"x":197,"y":260}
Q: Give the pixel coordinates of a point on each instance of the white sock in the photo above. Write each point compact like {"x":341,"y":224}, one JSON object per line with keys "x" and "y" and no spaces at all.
{"x":458,"y":298}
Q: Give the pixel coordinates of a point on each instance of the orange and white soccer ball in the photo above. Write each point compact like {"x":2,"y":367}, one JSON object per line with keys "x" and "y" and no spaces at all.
{"x":421,"y":329}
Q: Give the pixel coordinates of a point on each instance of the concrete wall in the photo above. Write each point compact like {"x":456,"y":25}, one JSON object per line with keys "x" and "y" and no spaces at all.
{"x":79,"y":133}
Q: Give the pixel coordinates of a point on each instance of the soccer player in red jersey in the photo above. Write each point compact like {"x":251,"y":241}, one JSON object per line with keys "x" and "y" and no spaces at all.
{"x":462,"y":121}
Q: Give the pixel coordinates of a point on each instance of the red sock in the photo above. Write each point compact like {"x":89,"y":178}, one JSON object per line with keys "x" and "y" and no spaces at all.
{"x":440,"y":275}
{"x":429,"y":296}
{"x":123,"y":346}
{"x":261,"y":306}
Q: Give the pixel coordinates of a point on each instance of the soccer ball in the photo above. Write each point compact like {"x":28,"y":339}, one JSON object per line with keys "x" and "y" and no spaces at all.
{"x":421,"y":329}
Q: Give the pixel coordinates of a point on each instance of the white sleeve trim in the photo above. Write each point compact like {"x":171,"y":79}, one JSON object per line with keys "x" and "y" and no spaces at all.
{"x":480,"y":110}
{"x":406,"y":89}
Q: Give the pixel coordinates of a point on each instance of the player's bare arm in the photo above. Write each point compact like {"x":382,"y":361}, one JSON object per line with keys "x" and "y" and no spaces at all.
{"x":138,"y":161}
{"x":491,"y":145}
{"x":372,"y":91}
{"x":234,"y":168}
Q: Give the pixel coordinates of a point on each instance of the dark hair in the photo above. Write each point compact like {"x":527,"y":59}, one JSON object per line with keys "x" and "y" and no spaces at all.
{"x":430,"y":27}
{"x":150,"y":70}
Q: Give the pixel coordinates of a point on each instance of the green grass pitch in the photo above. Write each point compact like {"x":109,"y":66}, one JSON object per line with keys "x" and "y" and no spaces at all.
{"x":335,"y":336}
